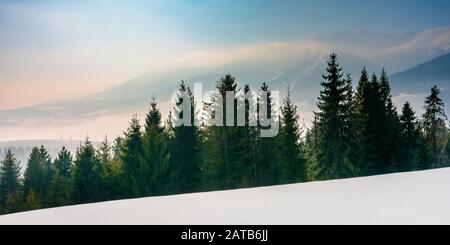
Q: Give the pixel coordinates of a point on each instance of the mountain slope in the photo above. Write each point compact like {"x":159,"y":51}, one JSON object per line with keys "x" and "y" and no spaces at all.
{"x":298,"y":64}
{"x":423,"y":76}
{"x":406,"y":198}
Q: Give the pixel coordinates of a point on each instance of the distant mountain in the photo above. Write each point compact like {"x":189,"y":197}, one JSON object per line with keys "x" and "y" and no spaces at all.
{"x":423,"y":76}
{"x":395,"y":51}
{"x":298,"y":64}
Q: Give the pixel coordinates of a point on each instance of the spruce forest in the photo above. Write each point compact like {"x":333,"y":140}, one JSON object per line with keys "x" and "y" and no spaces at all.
{"x":356,"y":132}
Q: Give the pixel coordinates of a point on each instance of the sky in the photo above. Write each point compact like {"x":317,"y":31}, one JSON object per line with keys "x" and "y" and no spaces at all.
{"x":54,"y":50}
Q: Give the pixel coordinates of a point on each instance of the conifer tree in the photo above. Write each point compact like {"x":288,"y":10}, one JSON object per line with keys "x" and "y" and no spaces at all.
{"x":223,"y":163}
{"x":332,"y":146}
{"x":411,"y":139}
{"x":32,"y":201}
{"x":9,"y":179}
{"x":87,"y":175}
{"x":132,"y":157}
{"x":247,"y":134}
{"x":185,"y":146}
{"x":47,"y":165}
{"x":35,"y":175}
{"x":267,"y":169}
{"x":59,"y":190}
{"x":434,"y":127}
{"x":63,"y":163}
{"x":292,"y":163}
{"x":153,"y":119}
{"x":391,"y":141}
{"x":154,"y":174}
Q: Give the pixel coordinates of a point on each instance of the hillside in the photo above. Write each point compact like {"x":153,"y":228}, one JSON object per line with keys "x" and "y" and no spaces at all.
{"x":298,"y":64}
{"x":423,"y":76}
{"x":405,"y":198}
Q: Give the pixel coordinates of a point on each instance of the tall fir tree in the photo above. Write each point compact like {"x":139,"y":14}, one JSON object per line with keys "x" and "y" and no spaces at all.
{"x":34,"y":176}
{"x":9,"y":179}
{"x":63,"y":163}
{"x":132,"y":156}
{"x":154,"y":170}
{"x":185,"y":145}
{"x":391,"y":141}
{"x":47,"y":165}
{"x":331,"y":118}
{"x":291,"y":156}
{"x":59,"y":190}
{"x":87,"y":175}
{"x":410,"y":139}
{"x":267,"y":169}
{"x":434,"y":127}
{"x":223,"y":165}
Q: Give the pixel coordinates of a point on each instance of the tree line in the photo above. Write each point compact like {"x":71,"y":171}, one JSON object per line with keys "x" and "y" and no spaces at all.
{"x":356,"y":132}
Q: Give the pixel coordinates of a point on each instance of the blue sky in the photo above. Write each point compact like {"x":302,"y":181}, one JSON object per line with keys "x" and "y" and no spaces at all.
{"x":77,"y":47}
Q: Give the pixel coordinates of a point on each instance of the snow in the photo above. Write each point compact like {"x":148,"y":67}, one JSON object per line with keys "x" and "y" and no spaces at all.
{"x":405,"y":198}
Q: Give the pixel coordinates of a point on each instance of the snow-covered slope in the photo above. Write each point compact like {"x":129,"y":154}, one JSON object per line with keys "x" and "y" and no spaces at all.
{"x":407,"y":198}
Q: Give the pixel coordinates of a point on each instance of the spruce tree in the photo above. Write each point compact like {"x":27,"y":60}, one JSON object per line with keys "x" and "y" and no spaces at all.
{"x":247,"y":134}
{"x":132,"y":157}
{"x":267,"y":171}
{"x":291,"y":156}
{"x":87,"y":175}
{"x":223,"y":164}
{"x":185,"y":146}
{"x":153,"y":119}
{"x":411,"y":139}
{"x":35,"y":174}
{"x":47,"y":165}
{"x":154,"y":174}
{"x":434,"y":127}
{"x":378,"y":126}
{"x":59,"y":190}
{"x":32,"y":201}
{"x":63,"y":163}
{"x":391,"y":141}
{"x":9,"y":179}
{"x":332,"y":146}
{"x":104,"y":153}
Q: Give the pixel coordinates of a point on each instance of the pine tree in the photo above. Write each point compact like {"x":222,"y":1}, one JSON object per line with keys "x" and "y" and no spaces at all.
{"x":391,"y":141}
{"x":32,"y":201}
{"x":63,"y":163}
{"x":34,"y":176}
{"x":13,"y":203}
{"x":378,"y":126}
{"x":58,"y":193}
{"x":185,"y":146}
{"x":104,"y":153}
{"x":59,"y":190}
{"x":247,"y":135}
{"x":332,"y":146}
{"x":350,"y":130}
{"x":49,"y":172}
{"x":154,"y":174}
{"x":411,"y":139}
{"x":292,"y":163}
{"x":266,"y":171}
{"x":132,"y":157}
{"x":87,"y":175}
{"x":434,"y":127}
{"x":9,"y":179}
{"x":153,"y":119}
{"x":223,"y":163}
